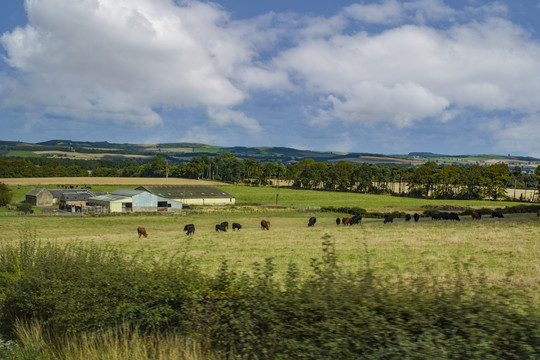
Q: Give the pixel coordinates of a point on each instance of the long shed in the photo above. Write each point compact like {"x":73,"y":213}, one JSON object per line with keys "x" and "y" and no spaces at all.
{"x":128,"y":200}
{"x":192,"y":195}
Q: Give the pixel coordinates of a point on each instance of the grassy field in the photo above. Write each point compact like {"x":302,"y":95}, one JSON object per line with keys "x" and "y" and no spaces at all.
{"x":495,"y":247}
{"x":313,"y":198}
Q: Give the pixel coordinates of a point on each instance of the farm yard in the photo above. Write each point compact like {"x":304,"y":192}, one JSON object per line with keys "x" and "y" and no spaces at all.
{"x":491,"y":254}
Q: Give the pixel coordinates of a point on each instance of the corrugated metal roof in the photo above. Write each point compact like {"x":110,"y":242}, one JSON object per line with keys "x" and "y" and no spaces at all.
{"x":57,"y":193}
{"x":127,"y":192}
{"x":77,"y":196}
{"x":108,"y":197}
{"x":186,"y":192}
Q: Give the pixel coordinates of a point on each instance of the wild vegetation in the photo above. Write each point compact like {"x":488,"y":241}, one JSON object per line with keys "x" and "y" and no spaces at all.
{"x":55,"y":297}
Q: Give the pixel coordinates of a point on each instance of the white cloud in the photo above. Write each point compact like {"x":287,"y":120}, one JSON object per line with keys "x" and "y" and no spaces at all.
{"x":412,"y":72}
{"x":119,"y":60}
{"x":387,"y":12}
{"x":225,"y":116}
{"x":519,"y":137}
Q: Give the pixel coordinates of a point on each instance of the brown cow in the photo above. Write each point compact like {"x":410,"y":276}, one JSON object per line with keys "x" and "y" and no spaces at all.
{"x":538,"y":213}
{"x":142,"y":231}
{"x":346,"y":221}
{"x":265,"y":225}
{"x":476,"y":215}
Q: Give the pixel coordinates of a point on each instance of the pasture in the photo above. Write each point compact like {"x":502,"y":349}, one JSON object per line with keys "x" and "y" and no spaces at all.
{"x":504,"y":250}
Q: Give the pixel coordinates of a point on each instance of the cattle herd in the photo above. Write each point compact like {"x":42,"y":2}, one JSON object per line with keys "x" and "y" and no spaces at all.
{"x":189,"y":229}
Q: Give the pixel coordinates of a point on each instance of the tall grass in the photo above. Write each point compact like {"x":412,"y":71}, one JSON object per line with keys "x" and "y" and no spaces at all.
{"x":89,"y":302}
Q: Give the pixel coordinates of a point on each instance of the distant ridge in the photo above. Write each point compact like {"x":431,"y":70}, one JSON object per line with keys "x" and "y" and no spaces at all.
{"x":185,"y":151}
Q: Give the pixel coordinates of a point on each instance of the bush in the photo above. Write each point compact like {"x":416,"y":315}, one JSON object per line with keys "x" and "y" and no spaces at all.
{"x":5,"y":194}
{"x":330,"y":314}
{"x":25,"y":208}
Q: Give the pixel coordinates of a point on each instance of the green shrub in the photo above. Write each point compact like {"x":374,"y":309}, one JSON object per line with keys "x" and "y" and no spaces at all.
{"x":330,"y":314}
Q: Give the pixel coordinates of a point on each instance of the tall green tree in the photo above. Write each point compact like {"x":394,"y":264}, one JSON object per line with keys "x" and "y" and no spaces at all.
{"x":5,"y":194}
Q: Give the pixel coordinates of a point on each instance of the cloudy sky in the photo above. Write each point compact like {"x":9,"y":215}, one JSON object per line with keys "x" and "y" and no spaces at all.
{"x":387,"y":76}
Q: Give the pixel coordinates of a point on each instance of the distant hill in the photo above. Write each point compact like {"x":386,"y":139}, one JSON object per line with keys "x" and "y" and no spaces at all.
{"x":182,"y":152}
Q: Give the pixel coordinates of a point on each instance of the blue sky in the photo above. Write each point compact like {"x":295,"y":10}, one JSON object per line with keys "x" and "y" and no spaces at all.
{"x":453,"y":77}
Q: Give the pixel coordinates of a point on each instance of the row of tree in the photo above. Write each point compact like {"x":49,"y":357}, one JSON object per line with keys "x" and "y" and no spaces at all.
{"x":428,"y":180}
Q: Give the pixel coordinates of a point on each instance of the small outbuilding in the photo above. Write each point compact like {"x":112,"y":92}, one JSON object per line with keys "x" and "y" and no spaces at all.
{"x":192,"y":195}
{"x":39,"y":197}
{"x":74,"y":199}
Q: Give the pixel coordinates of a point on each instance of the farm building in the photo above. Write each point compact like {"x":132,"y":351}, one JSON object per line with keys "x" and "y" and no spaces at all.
{"x":192,"y":195}
{"x":127,"y":200}
{"x":57,"y":193}
{"x":74,"y":199}
{"x":39,"y":197}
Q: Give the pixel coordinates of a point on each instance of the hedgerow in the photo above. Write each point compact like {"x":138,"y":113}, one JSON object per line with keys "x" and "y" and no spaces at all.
{"x":331,"y":313}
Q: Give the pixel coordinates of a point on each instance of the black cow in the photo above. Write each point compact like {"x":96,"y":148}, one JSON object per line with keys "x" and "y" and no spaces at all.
{"x":416,"y":217}
{"x":226,"y":224}
{"x":312,"y":221}
{"x":388,"y":218}
{"x":445,"y":216}
{"x":453,"y":216}
{"x":236,"y":226}
{"x":497,"y":214}
{"x":356,"y":219}
{"x":338,"y":221}
{"x":189,"y":229}
{"x":408,"y":217}
{"x":436,"y":216}
{"x":221,"y":227}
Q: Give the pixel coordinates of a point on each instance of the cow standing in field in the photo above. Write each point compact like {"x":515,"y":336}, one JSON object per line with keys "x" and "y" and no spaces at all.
{"x":388,"y":218}
{"x":416,"y":217}
{"x":312,"y":221}
{"x":346,"y":220}
{"x":226,"y":224}
{"x":538,"y":213}
{"x":142,"y":231}
{"x":221,"y":227}
{"x":189,"y":229}
{"x":497,"y":214}
{"x":476,"y":215}
{"x":338,"y":220}
{"x":453,"y":216}
{"x":408,"y":217}
{"x":356,"y":219}
{"x":236,"y":226}
{"x":265,"y":225}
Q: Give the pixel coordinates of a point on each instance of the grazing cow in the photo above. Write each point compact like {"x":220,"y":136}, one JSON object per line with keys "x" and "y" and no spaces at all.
{"x":221,"y":227}
{"x":408,"y":217}
{"x":388,"y":218}
{"x":346,"y":220}
{"x":445,"y":216}
{"x":476,"y":215}
{"x":338,"y":220}
{"x":312,"y":221}
{"x":265,"y":225}
{"x":142,"y":231}
{"x":226,"y":224}
{"x":435,"y":216}
{"x":356,"y":219}
{"x":236,"y":226}
{"x":497,"y":214}
{"x":189,"y":229}
{"x":453,"y":216}
{"x":416,"y":217}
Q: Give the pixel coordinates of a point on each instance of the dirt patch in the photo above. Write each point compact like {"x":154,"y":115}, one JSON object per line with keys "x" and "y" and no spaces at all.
{"x":445,"y":207}
{"x":107,"y":181}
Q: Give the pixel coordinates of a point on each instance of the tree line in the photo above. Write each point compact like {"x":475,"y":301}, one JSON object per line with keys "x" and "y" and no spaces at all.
{"x":428,"y":180}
